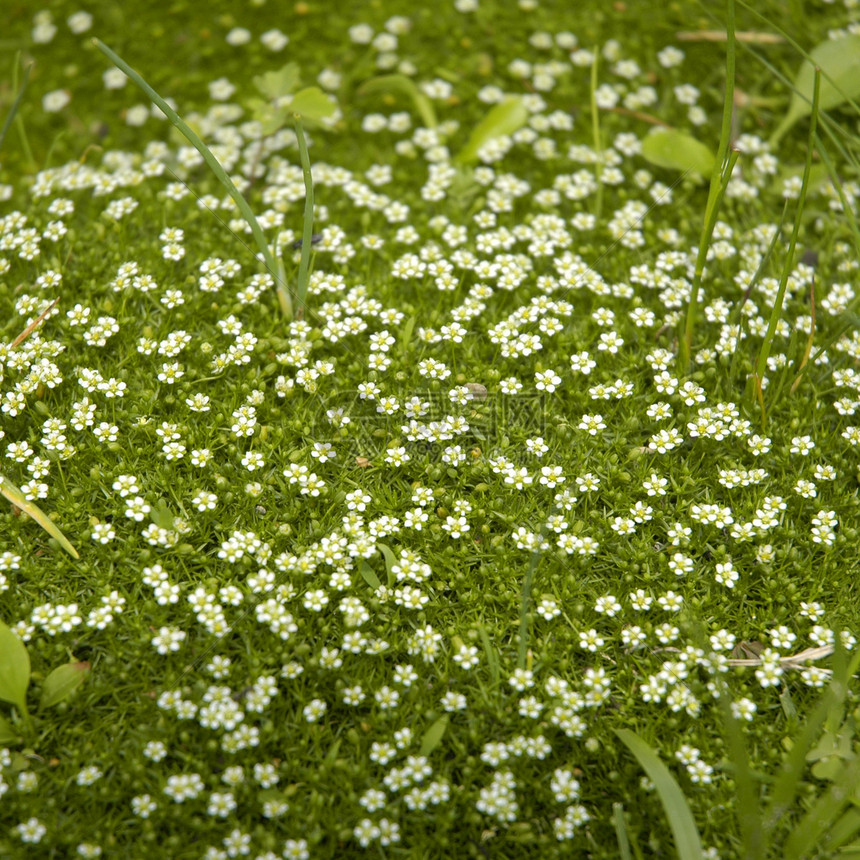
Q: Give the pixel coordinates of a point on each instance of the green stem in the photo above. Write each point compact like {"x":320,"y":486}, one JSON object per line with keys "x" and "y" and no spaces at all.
{"x":17,"y":103}
{"x":525,"y":602}
{"x":204,"y":150}
{"x":598,"y":146}
{"x":776,"y":311}
{"x":308,"y":224}
{"x":723,"y":165}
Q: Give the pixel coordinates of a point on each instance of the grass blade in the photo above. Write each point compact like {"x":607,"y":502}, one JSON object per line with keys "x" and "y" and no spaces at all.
{"x":209,"y":158}
{"x":14,"y":495}
{"x":688,"y":843}
{"x":620,"y":824}
{"x":723,"y":167}
{"x":776,"y":311}
{"x":308,"y":223}
{"x":18,"y":99}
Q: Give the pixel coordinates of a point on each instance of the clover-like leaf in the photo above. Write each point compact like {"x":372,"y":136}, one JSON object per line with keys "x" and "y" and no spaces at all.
{"x":280,"y":82}
{"x":312,"y":104}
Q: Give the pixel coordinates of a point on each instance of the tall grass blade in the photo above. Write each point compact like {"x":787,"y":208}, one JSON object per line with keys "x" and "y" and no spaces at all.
{"x":14,"y":495}
{"x":18,"y":99}
{"x":209,"y":158}
{"x":308,"y":225}
{"x":723,"y":166}
{"x":688,"y":843}
{"x":776,"y":311}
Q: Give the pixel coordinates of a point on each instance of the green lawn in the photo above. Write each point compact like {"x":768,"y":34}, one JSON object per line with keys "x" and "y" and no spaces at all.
{"x":445,"y":559}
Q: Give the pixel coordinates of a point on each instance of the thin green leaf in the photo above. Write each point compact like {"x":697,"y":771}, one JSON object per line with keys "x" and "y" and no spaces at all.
{"x":389,"y":84}
{"x":839,"y":62}
{"x":776,"y":310}
{"x":406,"y":335}
{"x":390,"y":561}
{"x":14,"y":669}
{"x":842,"y":830}
{"x":368,"y":574}
{"x":674,"y":150}
{"x":313,"y":104}
{"x":277,"y":83}
{"x":491,"y":654}
{"x":620,"y":823}
{"x":62,"y":682}
{"x":194,"y":139}
{"x":331,"y":755}
{"x":14,"y":495}
{"x":688,"y":843}
{"x":8,"y":734}
{"x":307,"y":219}
{"x":18,"y":99}
{"x":433,"y":736}
{"x":723,"y":167}
{"x":504,"y":118}
{"x":786,"y":785}
{"x":808,"y":832}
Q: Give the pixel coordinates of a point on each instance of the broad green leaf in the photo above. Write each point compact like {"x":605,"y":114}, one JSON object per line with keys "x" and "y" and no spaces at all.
{"x":674,"y":150}
{"x":313,"y":104}
{"x":433,"y":736}
{"x":8,"y":735}
{"x":504,"y":118}
{"x":839,"y":61}
{"x":688,"y":843}
{"x":161,"y":515}
{"x":14,"y":495}
{"x":390,"y":84}
{"x":62,"y":682}
{"x":277,"y":83}
{"x":368,"y":574}
{"x":14,"y":669}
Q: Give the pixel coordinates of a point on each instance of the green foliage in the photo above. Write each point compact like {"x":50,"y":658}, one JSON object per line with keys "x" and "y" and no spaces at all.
{"x":58,"y":686}
{"x":17,"y":498}
{"x":62,"y":683}
{"x":830,"y":819}
{"x":14,"y":670}
{"x":502,"y":119}
{"x":19,"y":97}
{"x":389,"y":85}
{"x":688,"y":843}
{"x":676,"y":150}
{"x":838,"y":61}
{"x":282,"y":100}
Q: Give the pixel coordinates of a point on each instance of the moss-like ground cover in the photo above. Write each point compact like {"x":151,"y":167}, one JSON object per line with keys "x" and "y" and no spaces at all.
{"x":385,"y":578}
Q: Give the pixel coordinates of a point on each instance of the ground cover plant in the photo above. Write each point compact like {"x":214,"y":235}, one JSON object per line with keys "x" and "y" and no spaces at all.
{"x":469,"y":551}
